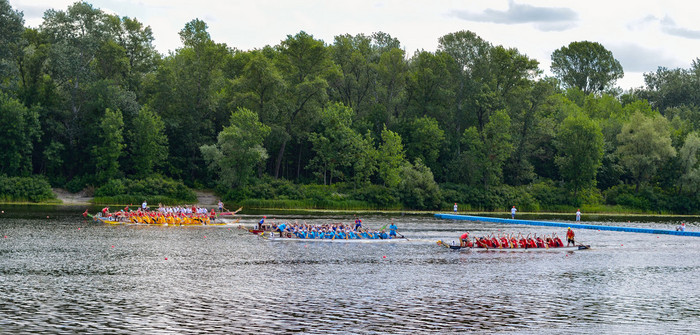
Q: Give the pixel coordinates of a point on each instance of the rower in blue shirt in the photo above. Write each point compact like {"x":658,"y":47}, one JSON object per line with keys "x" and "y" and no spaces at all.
{"x":262,"y":221}
{"x":392,"y":230}
{"x":383,"y":235}
{"x":281,"y":227}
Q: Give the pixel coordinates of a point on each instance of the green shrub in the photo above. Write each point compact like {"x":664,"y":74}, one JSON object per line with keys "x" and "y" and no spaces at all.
{"x":33,"y":189}
{"x":125,"y":191}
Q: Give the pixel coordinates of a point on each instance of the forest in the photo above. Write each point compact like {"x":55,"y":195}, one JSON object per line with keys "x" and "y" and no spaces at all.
{"x":87,"y":103}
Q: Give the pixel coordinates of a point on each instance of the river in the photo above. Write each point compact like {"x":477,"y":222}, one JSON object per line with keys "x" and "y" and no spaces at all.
{"x":66,"y":275}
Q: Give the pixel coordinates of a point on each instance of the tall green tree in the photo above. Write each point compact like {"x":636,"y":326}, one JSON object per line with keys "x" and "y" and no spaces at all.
{"x":306,"y":66}
{"x":185,"y":90}
{"x":11,"y":29}
{"x":488,"y":150}
{"x":418,"y":188}
{"x":425,"y":140}
{"x":239,"y":149}
{"x":19,"y":129}
{"x":688,"y":156}
{"x":579,"y":144}
{"x":391,"y":157}
{"x":645,"y":143}
{"x":586,"y":65}
{"x":109,"y":149}
{"x":148,"y":143}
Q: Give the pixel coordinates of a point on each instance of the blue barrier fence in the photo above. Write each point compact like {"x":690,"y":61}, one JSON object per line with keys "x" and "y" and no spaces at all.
{"x":564,"y":224}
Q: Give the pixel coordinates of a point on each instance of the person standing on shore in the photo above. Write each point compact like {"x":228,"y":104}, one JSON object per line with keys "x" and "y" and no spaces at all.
{"x":512,"y":212}
{"x":578,"y":215}
{"x":455,"y":207}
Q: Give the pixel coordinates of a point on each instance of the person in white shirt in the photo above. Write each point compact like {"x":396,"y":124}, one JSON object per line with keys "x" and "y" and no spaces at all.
{"x":512,"y":212}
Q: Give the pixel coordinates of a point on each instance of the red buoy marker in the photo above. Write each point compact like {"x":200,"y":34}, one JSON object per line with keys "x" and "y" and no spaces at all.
{"x":166,"y":258}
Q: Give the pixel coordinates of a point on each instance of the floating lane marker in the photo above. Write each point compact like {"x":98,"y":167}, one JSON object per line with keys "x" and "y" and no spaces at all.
{"x":565,"y":224}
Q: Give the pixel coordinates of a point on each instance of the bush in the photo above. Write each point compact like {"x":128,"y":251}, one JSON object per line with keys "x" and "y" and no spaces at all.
{"x":379,"y":195}
{"x":33,"y":189}
{"x":151,"y":189}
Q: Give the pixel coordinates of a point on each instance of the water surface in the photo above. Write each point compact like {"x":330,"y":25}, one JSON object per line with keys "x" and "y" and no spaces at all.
{"x":67,"y":275}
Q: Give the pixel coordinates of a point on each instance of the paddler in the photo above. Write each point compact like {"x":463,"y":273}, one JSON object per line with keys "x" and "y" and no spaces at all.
{"x":262,"y":222}
{"x":570,"y":237}
{"x":464,"y":240}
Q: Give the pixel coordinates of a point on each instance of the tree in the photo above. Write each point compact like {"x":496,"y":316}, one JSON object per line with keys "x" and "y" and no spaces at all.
{"x":149,"y":145}
{"x":580,"y":151}
{"x":340,"y":150}
{"x":425,"y":140}
{"x":239,"y":150}
{"x":19,"y":129}
{"x":496,"y":148}
{"x":107,"y":152}
{"x":418,"y":188}
{"x":645,"y":142}
{"x":306,"y":66}
{"x":391,"y":158}
{"x":185,"y":91}
{"x":586,"y":65}
{"x":11,"y":28}
{"x":690,"y":171}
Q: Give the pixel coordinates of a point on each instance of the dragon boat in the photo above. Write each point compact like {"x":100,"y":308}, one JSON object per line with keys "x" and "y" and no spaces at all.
{"x":128,"y":223}
{"x":477,"y":248}
{"x":276,"y":238}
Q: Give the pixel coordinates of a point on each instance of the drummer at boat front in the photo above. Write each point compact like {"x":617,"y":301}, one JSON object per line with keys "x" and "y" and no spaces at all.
{"x":262,"y":222}
{"x":392,"y":229}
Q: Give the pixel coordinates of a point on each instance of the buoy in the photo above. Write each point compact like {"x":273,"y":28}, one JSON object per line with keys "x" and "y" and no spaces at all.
{"x":166,"y":258}
{"x":205,"y":236}
{"x":5,"y":236}
{"x":3,"y":212}
{"x":78,"y":228}
{"x":384,"y":256}
{"x":622,"y":245}
{"x":47,"y":216}
{"x":112,"y":246}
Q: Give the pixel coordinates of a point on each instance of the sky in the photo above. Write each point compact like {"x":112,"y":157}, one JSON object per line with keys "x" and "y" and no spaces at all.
{"x":642,"y":35}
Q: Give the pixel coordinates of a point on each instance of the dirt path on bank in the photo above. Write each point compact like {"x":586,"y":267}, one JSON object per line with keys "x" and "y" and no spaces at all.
{"x":68,"y":198}
{"x":206,"y":198}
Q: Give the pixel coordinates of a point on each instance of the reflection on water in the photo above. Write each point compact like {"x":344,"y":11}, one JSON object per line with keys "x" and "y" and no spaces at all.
{"x":66,"y":275}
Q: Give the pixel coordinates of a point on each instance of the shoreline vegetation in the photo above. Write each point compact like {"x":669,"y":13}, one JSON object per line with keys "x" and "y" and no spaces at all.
{"x":89,"y":106}
{"x":65,"y":198}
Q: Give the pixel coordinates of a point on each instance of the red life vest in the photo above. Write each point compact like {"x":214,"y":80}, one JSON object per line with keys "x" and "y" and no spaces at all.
{"x":558,"y":242}
{"x":531,"y":243}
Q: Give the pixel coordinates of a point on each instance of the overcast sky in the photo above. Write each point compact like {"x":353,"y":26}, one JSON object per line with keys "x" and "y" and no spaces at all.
{"x":642,"y":35}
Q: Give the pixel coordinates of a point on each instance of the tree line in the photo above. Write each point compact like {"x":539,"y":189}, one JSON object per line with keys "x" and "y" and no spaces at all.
{"x":86,"y":102}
